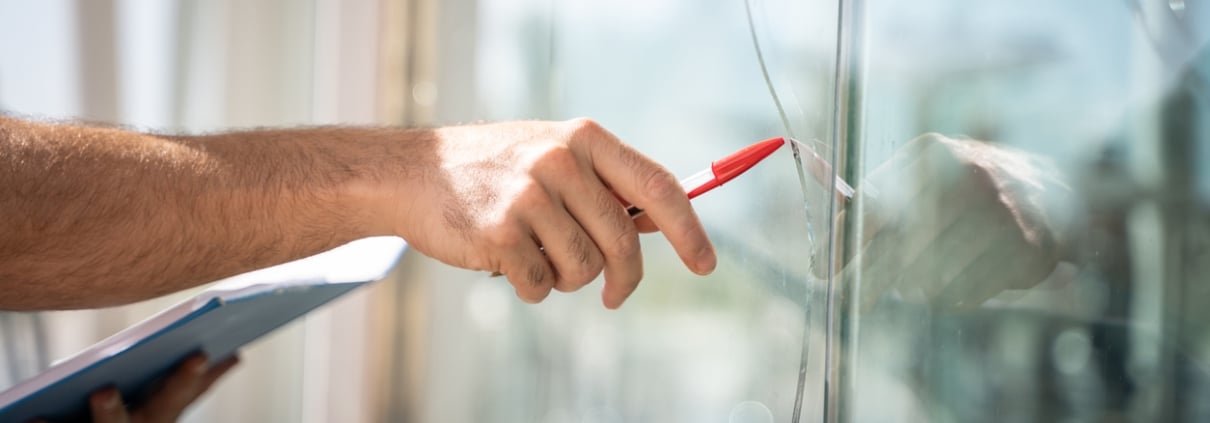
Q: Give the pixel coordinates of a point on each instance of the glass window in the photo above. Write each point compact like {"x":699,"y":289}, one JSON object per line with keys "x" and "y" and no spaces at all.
{"x":1029,"y":240}
{"x":680,"y":81}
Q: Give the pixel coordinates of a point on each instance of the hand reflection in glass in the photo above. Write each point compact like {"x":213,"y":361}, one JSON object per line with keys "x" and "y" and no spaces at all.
{"x":957,"y":222}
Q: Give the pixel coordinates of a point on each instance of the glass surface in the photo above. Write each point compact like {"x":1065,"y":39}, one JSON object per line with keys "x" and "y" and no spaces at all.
{"x":680,"y":81}
{"x":1031,"y":232}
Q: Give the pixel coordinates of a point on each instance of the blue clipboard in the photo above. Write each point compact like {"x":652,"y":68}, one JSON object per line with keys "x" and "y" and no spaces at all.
{"x":218,"y":321}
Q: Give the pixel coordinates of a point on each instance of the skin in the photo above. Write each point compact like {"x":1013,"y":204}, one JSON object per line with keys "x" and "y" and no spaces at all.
{"x":192,"y":379}
{"x":105,"y":216}
{"x":98,"y":216}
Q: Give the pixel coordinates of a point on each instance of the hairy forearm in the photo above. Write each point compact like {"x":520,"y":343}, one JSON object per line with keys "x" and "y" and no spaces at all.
{"x":101,"y":216}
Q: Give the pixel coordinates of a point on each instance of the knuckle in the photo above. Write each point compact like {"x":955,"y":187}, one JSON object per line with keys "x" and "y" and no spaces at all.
{"x":536,"y":275}
{"x":593,"y":269}
{"x":531,"y":197}
{"x":531,"y":282}
{"x":581,"y":248}
{"x":587,"y":133}
{"x":535,"y":194}
{"x":561,"y":160}
{"x":575,"y":280}
{"x":585,"y":125}
{"x":587,"y":263}
{"x":929,"y":138}
{"x":608,"y":205}
{"x":941,"y":151}
{"x":635,"y":161}
{"x":944,"y":166}
{"x":582,"y":274}
{"x":660,"y":185}
{"x":626,"y":245}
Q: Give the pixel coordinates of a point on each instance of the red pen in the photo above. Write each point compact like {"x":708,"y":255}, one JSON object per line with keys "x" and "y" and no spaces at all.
{"x":724,"y":169}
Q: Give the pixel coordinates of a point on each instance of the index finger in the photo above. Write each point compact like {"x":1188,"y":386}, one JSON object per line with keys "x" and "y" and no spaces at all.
{"x":652,"y":188}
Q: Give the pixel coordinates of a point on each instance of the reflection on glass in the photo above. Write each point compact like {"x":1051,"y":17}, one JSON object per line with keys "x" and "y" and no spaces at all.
{"x":678,"y":80}
{"x":1031,"y":238}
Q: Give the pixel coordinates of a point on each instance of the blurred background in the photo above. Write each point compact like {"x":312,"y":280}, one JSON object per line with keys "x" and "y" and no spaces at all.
{"x":1113,"y":94}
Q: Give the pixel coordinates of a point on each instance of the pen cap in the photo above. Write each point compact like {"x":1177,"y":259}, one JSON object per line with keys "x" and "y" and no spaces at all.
{"x":735,"y":164}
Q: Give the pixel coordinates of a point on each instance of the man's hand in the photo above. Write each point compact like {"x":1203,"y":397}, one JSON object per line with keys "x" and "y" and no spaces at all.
{"x":104,"y":216}
{"x":958,"y":221}
{"x":543,"y":204}
{"x":192,"y":379}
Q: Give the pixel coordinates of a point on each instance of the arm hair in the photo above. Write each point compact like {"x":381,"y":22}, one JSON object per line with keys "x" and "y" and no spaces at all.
{"x":93,"y":216}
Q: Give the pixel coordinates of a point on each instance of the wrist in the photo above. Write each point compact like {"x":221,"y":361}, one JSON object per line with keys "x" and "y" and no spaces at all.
{"x":391,"y":169}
